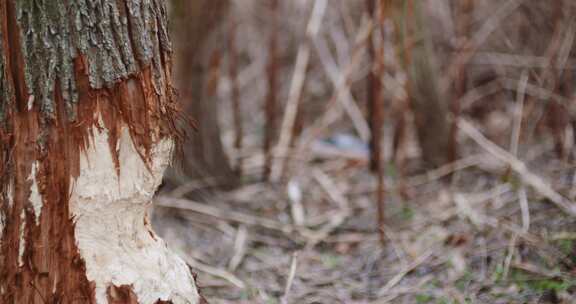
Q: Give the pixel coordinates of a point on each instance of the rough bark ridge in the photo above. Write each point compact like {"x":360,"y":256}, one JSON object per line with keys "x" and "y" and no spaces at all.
{"x":85,"y":86}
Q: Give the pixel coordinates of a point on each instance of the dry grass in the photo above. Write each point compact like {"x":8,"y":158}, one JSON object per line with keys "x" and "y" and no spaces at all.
{"x":501,"y":230}
{"x":452,"y":243}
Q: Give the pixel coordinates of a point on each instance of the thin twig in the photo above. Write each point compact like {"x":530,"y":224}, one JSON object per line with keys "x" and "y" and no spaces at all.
{"x":239,"y":248}
{"x":217,"y":272}
{"x":521,"y":93}
{"x":518,"y":60}
{"x":339,"y":81}
{"x":238,"y":217}
{"x":524,"y":209}
{"x":291,"y":276}
{"x":338,"y":197}
{"x":295,"y":198}
{"x":297,"y":83}
{"x":435,"y":174}
{"x":450,"y":168}
{"x":509,"y":255}
{"x":400,"y":275}
{"x":489,"y":26}
{"x":514,"y":143}
{"x":334,"y":110}
{"x":527,"y":177}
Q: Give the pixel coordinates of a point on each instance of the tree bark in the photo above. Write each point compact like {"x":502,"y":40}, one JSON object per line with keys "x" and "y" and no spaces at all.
{"x":87,"y":127}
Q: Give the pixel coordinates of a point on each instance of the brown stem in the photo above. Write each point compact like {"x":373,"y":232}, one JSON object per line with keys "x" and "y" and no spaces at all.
{"x":271,"y":98}
{"x":376,"y":110}
{"x":464,"y":20}
{"x":233,"y":74}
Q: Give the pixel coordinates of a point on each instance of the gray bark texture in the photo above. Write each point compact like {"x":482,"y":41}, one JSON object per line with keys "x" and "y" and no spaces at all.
{"x":76,"y":76}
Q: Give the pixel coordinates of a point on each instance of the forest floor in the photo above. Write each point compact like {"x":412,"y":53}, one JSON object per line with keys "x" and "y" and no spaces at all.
{"x":484,"y":237}
{"x":498,"y":226}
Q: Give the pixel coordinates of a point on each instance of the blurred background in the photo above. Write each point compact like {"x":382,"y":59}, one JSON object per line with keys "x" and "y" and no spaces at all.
{"x":378,"y":151}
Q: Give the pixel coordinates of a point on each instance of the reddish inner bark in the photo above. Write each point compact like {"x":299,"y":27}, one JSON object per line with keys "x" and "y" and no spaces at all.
{"x":51,"y":269}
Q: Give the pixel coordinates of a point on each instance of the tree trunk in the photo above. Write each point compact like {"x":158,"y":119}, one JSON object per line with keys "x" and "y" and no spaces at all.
{"x":87,"y":120}
{"x":428,"y":101}
{"x":192,"y":23}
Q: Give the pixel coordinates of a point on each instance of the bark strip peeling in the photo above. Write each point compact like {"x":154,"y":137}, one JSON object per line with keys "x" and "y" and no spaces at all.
{"x":87,"y":126}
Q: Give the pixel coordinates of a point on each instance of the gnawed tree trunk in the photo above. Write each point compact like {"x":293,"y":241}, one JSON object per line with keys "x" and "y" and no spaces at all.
{"x":87,"y":122}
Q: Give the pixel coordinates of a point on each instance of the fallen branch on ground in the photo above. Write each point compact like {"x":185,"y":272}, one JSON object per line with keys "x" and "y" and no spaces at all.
{"x":529,"y":178}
